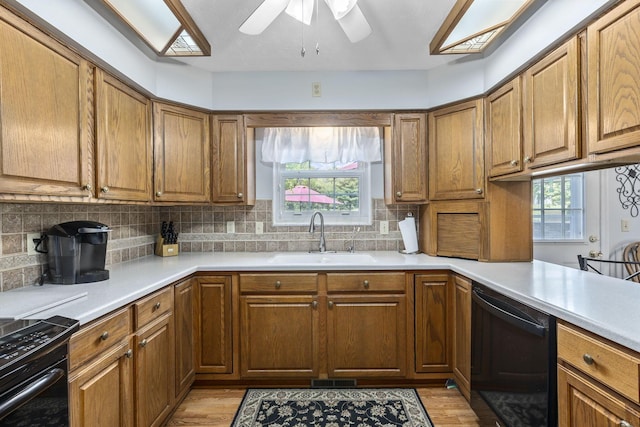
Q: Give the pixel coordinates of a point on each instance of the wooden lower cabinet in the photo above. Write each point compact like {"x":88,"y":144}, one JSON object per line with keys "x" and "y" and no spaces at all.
{"x":366,"y":336}
{"x":101,"y":393}
{"x":154,"y":359}
{"x":184,"y":323}
{"x":584,"y":403}
{"x":213,"y":326}
{"x":280,"y":336}
{"x":433,"y":322}
{"x":462,"y":334}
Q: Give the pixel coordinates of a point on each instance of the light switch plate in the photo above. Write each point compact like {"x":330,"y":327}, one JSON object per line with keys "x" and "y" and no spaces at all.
{"x":384,"y":227}
{"x":231,"y":227}
{"x":259,"y":227}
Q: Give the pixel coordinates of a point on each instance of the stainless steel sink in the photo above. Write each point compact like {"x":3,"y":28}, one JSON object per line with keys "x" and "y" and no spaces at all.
{"x":337,"y":258}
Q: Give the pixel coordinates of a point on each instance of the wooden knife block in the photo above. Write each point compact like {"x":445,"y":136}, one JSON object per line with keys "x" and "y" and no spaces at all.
{"x":165,"y":250}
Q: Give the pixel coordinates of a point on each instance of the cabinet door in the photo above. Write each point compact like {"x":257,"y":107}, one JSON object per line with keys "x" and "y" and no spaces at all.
{"x":462,"y":334}
{"x":551,"y":108}
{"x":613,"y":79}
{"x":214,"y":350}
{"x":230,"y":161}
{"x":366,"y":336}
{"x":456,"y":152}
{"x":583,"y":403}
{"x":155,"y":372}
{"x":45,"y":122}
{"x":184,"y":316}
{"x":101,"y":394}
{"x":433,"y":322}
{"x":407,"y":165}
{"x":123,"y":122}
{"x":279,"y":336}
{"x":181,"y":154}
{"x":504,"y":131}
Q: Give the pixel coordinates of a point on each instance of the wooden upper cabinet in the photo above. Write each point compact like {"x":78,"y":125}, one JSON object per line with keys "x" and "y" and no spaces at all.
{"x":406,"y":160}
{"x":552,"y":124}
{"x":232,"y":161}
{"x":182,"y":159}
{"x":504,"y":130}
{"x":456,"y":152}
{"x":613,"y":81}
{"x":45,"y":122}
{"x":123,"y":141}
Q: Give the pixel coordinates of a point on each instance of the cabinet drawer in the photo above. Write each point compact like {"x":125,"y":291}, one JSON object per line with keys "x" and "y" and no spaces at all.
{"x":98,"y":337}
{"x":350,"y":282}
{"x":153,"y":306}
{"x":609,"y":364}
{"x":283,"y":282}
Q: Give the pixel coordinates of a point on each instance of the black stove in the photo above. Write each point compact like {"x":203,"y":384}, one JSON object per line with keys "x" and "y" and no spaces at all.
{"x":33,"y":371}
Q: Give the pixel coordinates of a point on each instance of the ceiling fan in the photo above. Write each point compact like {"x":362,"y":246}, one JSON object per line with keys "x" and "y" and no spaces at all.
{"x":346,"y":12}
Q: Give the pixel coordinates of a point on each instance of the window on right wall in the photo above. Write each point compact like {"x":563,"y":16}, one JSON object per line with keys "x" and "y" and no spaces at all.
{"x":558,"y":208}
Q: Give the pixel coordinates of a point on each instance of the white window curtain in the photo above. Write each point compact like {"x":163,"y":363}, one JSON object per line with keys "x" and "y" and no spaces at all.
{"x":321,"y":145}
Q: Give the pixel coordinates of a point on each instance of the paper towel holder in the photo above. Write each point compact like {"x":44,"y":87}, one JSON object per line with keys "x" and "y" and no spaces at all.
{"x":404,"y":251}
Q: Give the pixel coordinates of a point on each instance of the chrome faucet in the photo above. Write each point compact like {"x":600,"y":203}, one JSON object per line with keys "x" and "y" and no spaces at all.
{"x":312,"y":228}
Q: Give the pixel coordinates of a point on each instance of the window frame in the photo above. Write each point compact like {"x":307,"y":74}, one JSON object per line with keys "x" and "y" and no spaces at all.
{"x":281,"y":218}
{"x":582,"y":210}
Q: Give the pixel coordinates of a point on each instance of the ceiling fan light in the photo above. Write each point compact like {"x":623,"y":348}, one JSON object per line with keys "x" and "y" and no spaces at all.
{"x":340,"y":8}
{"x":302,"y":10}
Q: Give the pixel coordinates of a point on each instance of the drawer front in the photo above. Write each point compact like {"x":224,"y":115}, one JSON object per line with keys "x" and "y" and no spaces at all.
{"x":610,"y":365}
{"x":283,"y":282}
{"x":98,"y":337}
{"x":374,"y":282}
{"x":153,"y":306}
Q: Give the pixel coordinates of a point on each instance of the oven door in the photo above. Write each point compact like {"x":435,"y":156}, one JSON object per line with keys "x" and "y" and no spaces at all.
{"x":512,"y":362}
{"x":39,"y":399}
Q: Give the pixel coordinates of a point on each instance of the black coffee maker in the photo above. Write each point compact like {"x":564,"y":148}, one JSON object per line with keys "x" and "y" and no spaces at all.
{"x":76,"y":252}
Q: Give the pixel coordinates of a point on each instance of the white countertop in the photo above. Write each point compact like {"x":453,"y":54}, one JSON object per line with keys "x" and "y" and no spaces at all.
{"x":606,"y":306}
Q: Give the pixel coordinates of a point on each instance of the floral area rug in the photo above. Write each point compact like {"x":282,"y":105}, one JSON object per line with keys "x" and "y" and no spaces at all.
{"x":331,"y":408}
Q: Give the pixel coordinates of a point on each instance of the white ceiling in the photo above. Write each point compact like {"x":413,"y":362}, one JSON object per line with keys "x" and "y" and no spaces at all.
{"x":402,"y":31}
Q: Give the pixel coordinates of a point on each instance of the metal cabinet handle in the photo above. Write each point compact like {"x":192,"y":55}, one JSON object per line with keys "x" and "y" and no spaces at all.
{"x":143,"y":343}
{"x":105,"y":189}
{"x":156,"y":306}
{"x":129,"y":354}
{"x":399,"y":194}
{"x":278,"y":284}
{"x":104,"y":335}
{"x":527,"y":159}
{"x":365,"y":284}
{"x":240,"y":195}
{"x":479,"y":190}
{"x":314,"y":304}
{"x":158,"y":193}
{"x":514,"y":163}
{"x":588,"y":359}
{"x":330,"y":304}
{"x":624,"y":423}
{"x":87,"y":187}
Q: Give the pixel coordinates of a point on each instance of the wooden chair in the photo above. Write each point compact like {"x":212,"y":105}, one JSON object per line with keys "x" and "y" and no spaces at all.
{"x":631,"y":259}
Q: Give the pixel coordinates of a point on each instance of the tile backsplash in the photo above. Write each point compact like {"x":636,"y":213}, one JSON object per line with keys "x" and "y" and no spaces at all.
{"x":202,"y":229}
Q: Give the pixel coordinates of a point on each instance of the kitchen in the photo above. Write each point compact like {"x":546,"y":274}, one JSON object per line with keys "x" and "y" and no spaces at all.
{"x":134,"y":226}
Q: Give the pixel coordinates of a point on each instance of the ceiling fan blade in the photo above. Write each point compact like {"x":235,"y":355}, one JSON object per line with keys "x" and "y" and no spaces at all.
{"x":301,"y":10}
{"x":355,"y":25}
{"x":263,"y":16}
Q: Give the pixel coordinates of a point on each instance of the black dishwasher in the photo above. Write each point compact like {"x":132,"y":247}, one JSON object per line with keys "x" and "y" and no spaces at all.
{"x":513,"y":362}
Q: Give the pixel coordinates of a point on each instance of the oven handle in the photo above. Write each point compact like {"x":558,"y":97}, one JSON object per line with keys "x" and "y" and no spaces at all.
{"x":509,"y":317}
{"x":30,"y":391}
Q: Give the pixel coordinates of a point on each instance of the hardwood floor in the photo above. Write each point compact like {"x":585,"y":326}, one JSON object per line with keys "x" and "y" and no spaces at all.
{"x":217,"y":407}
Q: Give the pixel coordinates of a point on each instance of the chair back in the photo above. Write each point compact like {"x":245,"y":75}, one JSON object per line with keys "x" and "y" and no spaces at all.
{"x":631,"y":254}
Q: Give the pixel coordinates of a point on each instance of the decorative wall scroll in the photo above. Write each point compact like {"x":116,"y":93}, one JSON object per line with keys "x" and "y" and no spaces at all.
{"x":629,"y":191}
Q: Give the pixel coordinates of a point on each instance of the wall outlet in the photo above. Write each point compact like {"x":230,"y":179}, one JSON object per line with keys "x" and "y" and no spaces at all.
{"x":316,"y":89}
{"x":231,"y":227}
{"x":31,"y":245}
{"x":624,"y":225}
{"x":259,"y":227}
{"x":384,"y":227}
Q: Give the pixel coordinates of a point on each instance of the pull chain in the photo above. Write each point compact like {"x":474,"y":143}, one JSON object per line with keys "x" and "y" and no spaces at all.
{"x":302,"y":50}
{"x":317,"y":28}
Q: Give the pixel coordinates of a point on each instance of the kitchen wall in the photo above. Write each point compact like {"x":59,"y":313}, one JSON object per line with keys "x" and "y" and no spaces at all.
{"x":201,"y":228}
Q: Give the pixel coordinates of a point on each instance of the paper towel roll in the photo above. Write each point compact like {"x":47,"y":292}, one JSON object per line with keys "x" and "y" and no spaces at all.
{"x":409,"y":234}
